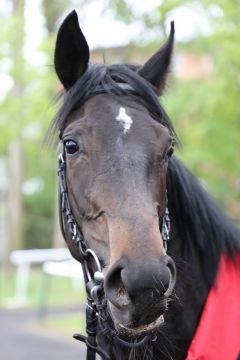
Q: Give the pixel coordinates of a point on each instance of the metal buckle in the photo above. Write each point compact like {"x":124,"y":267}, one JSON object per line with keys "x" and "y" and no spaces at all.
{"x":165,"y":231}
{"x":74,"y":230}
{"x":94,"y":256}
{"x":95,"y":282}
{"x":61,"y":158}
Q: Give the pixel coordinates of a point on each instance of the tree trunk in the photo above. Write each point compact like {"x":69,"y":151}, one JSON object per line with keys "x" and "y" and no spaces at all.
{"x":15,"y":159}
{"x":15,"y":194}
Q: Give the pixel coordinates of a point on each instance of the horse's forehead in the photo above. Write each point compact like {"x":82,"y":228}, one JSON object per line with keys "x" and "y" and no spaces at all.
{"x":109,"y":117}
{"x":110,"y":109}
{"x":121,"y":116}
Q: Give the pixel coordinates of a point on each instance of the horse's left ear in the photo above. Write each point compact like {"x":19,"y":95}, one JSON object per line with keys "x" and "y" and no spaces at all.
{"x":71,"y":55}
{"x":155,"y":70}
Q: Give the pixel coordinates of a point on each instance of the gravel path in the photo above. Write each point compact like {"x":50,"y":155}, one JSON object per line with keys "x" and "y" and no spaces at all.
{"x":20,"y":339}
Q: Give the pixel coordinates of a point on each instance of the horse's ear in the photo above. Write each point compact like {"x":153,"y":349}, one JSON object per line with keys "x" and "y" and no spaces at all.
{"x":155,"y":70}
{"x":71,"y":55}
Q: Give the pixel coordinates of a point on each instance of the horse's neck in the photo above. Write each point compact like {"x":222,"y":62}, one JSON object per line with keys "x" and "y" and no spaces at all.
{"x":192,"y":288}
{"x":188,"y":299}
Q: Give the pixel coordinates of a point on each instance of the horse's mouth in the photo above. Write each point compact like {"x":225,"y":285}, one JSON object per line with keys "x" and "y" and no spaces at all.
{"x":135,"y":322}
{"x":140,"y":330}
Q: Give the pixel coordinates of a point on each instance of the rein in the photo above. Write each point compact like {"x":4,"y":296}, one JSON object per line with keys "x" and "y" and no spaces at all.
{"x":93,"y":280}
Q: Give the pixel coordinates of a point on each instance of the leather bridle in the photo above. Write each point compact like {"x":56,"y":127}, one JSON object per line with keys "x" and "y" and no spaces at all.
{"x":93,"y":280}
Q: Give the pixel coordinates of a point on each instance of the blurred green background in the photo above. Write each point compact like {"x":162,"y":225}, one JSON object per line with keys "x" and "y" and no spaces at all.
{"x":202,"y":97}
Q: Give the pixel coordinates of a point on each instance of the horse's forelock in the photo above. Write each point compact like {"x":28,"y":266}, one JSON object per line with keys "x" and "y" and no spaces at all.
{"x":100,"y":78}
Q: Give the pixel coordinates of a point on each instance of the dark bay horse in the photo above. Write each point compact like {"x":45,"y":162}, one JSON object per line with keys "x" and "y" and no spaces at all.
{"x":120,"y":188}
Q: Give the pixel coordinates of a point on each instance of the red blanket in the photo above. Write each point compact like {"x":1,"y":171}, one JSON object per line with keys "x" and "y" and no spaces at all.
{"x":218,"y":334}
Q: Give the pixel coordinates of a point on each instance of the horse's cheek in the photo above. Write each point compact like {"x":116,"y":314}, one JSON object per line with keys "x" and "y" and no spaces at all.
{"x":73,"y":248}
{"x":96,"y":234}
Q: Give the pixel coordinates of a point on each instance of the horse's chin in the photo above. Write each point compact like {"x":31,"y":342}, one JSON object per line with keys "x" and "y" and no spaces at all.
{"x":126,"y":327}
{"x":140,"y":330}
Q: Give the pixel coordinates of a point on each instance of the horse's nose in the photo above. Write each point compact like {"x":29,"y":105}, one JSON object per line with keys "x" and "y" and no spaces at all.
{"x":127,"y":281}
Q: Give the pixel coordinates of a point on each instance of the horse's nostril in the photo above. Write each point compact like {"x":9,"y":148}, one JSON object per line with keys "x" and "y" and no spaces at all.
{"x":114,"y":288}
{"x":123,"y":298}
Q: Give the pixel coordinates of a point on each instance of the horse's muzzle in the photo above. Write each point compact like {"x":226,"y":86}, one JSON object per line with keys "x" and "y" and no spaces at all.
{"x":137,"y":294}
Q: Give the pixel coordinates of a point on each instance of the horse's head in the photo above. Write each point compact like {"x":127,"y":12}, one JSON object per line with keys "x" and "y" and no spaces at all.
{"x":118,"y":141}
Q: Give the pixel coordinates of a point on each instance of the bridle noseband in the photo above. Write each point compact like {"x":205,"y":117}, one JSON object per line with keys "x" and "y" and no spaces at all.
{"x":93,"y":280}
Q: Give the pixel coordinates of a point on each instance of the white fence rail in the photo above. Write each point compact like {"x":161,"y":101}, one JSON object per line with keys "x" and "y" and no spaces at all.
{"x":24,"y":259}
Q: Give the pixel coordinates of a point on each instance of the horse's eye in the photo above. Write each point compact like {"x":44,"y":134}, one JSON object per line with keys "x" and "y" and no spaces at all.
{"x":71,"y":147}
{"x":170,"y":152}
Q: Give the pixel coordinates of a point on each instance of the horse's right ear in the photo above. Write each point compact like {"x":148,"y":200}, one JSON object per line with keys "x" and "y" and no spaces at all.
{"x":155,"y":70}
{"x":71,"y":55}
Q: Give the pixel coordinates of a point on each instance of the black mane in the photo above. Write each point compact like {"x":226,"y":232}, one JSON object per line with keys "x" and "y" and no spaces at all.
{"x":204,"y":229}
{"x":111,"y":79}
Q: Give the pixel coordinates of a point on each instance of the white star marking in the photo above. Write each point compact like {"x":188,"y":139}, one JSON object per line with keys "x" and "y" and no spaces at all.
{"x":124,"y":119}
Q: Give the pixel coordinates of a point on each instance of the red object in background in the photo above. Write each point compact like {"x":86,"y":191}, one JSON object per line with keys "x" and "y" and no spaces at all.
{"x":218,"y":334}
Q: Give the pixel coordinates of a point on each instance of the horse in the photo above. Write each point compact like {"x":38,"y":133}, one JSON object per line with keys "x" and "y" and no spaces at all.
{"x":154,"y":247}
